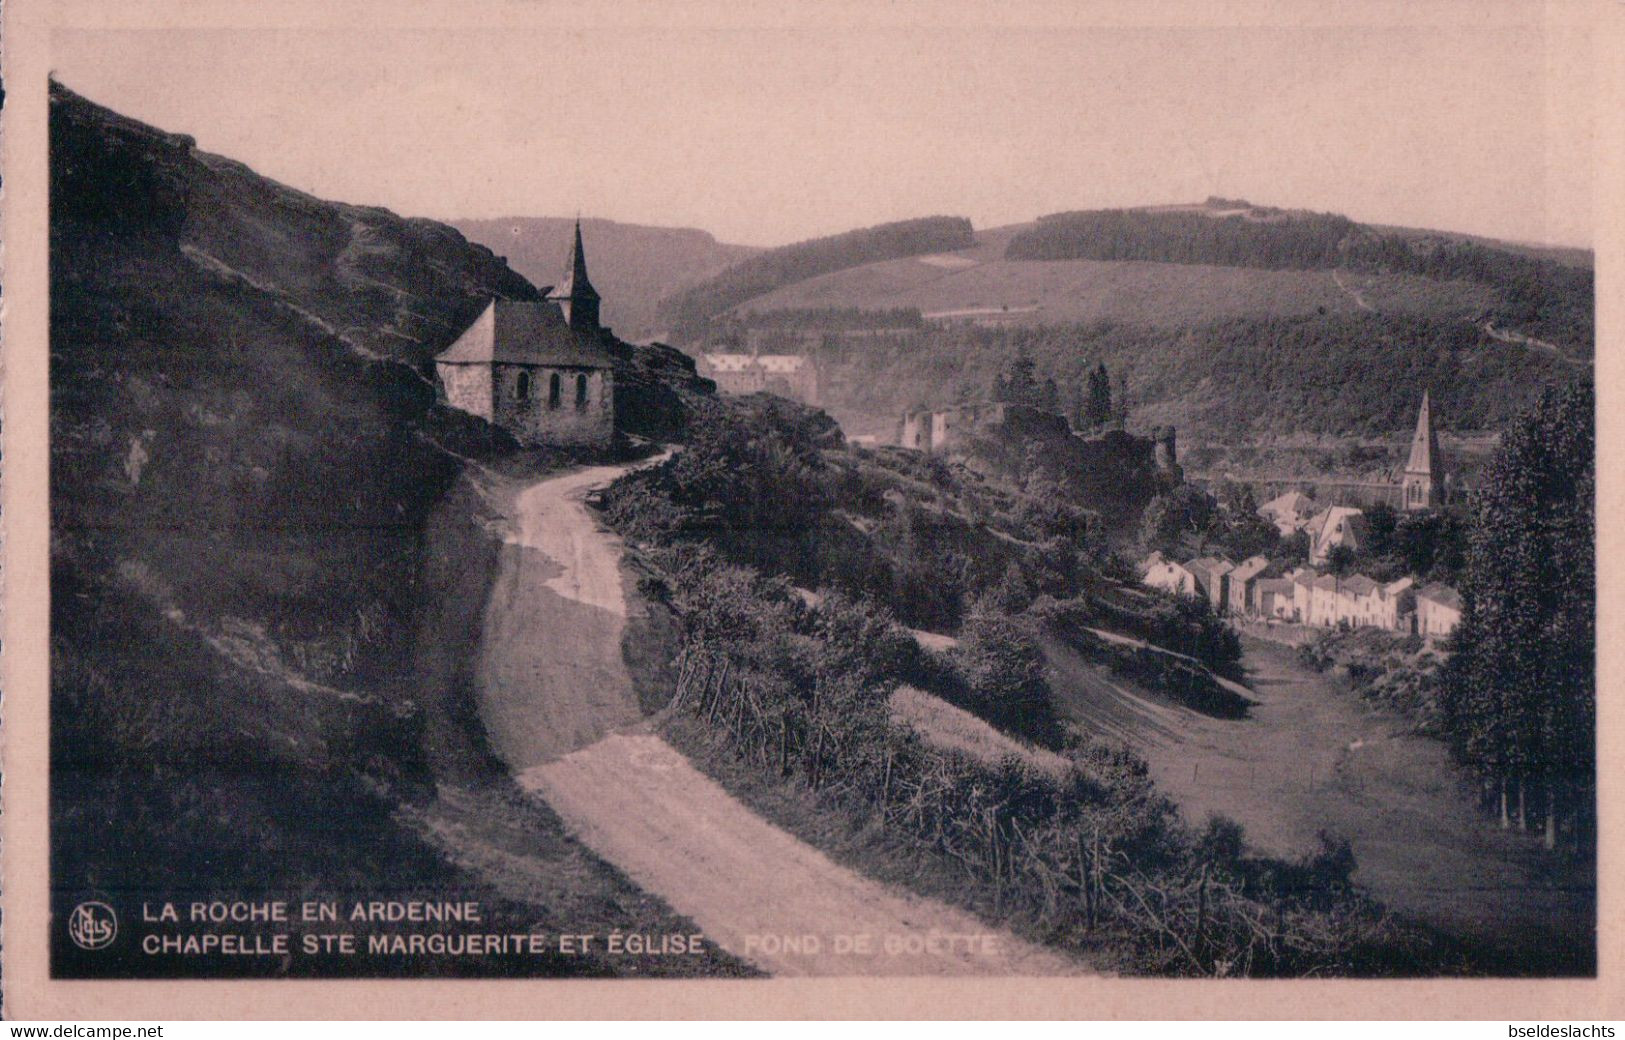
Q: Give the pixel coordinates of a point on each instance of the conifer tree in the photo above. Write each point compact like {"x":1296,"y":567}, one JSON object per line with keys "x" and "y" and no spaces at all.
{"x":1098,"y":406}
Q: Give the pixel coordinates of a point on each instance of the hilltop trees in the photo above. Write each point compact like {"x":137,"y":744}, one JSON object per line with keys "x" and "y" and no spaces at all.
{"x":1309,"y":240}
{"x":1019,"y":384}
{"x":1097,"y":401}
{"x":762,"y":273}
{"x":1519,"y":695}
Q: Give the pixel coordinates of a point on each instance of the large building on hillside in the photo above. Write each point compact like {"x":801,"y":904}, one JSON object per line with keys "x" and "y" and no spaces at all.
{"x":793,"y":376}
{"x":540,"y":369}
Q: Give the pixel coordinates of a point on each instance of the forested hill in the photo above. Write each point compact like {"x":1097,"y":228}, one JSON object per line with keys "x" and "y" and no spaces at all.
{"x":1540,"y":295}
{"x":633,"y":266}
{"x":788,"y":264}
{"x":1232,"y":381}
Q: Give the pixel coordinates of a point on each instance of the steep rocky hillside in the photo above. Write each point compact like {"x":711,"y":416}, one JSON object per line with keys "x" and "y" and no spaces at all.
{"x":246,"y":456}
{"x":633,"y":265}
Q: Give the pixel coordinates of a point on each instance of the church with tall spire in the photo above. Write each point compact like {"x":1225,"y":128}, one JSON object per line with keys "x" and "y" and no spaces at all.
{"x":1423,"y":482}
{"x":575,"y":295}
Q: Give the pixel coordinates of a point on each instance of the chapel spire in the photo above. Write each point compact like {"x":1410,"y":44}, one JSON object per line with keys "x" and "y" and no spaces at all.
{"x":575,"y":295}
{"x":1424,"y":474}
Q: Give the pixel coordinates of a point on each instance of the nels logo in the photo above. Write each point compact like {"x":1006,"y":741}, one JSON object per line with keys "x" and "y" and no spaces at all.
{"x":92,"y":926}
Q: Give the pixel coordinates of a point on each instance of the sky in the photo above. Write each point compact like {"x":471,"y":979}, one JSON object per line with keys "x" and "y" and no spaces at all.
{"x":770,"y":124}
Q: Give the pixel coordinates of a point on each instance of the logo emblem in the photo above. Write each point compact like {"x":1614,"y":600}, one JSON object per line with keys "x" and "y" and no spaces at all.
{"x":92,"y":926}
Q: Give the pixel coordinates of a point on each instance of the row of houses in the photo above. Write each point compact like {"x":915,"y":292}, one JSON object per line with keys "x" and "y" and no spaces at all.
{"x":1306,"y":596}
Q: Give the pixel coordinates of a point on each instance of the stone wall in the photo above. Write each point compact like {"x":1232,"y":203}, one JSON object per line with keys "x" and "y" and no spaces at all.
{"x":568,"y":422}
{"x":468,"y":387}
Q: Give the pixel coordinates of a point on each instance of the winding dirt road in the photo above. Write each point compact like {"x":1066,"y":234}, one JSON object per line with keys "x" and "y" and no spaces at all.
{"x":561,"y":711}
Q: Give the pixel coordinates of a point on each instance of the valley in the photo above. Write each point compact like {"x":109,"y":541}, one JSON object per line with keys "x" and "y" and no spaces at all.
{"x":1310,"y":758}
{"x":468,"y":594}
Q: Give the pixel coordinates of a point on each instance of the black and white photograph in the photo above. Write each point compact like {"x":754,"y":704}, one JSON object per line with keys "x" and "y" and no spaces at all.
{"x":634,"y":491}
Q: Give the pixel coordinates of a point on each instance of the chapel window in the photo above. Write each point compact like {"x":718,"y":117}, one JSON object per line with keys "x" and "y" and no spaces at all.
{"x":553,"y":390}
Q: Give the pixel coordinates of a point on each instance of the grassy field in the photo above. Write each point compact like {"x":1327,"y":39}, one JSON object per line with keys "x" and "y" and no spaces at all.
{"x":941,"y":724}
{"x":1063,"y":291}
{"x":1311,"y":756}
{"x":862,"y":844}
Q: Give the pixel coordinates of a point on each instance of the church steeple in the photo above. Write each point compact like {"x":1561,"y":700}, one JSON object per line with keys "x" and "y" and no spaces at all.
{"x":575,"y":295}
{"x":1424,"y":475}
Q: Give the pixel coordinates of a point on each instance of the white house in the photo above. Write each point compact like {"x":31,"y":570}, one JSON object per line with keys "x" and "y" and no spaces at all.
{"x":1396,"y":604}
{"x":1303,"y":593}
{"x":1272,"y":598}
{"x":1243,"y":581}
{"x":1213,"y":578}
{"x":1158,"y":572}
{"x":1334,"y":526}
{"x":1438,"y":610}
{"x":1288,"y":512}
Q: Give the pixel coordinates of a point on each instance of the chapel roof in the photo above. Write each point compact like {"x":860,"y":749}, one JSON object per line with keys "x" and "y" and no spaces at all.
{"x":524,"y":332}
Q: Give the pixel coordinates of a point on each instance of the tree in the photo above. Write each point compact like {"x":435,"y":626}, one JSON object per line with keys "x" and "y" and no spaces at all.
{"x":1173,"y":515}
{"x":1049,"y":397}
{"x":1021,"y":386}
{"x":1097,"y":409}
{"x":1518,"y":696}
{"x":1340,"y":559}
{"x":1294,"y":548}
{"x":1380,"y":523}
{"x":1003,"y":668}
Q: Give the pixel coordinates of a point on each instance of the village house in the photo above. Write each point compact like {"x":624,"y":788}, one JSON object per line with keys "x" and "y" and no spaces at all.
{"x":1303,"y":593}
{"x":1273,"y":598}
{"x":1333,"y":527}
{"x":1438,"y":610}
{"x":1158,"y":572}
{"x":1323,"y":601}
{"x":1288,"y":512}
{"x":538,"y":368}
{"x":1396,"y":605}
{"x":1213,"y":580}
{"x":1307,"y":597}
{"x":1356,"y":606}
{"x":1242,"y":582}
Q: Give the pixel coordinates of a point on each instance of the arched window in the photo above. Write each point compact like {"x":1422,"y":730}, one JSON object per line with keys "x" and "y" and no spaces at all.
{"x":522,"y":387}
{"x":581,"y":390}
{"x":553,"y":390}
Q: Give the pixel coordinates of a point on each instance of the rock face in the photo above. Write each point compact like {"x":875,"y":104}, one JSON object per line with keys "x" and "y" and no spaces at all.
{"x":243,"y":435}
{"x":245,"y":446}
{"x":1113,"y":474}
